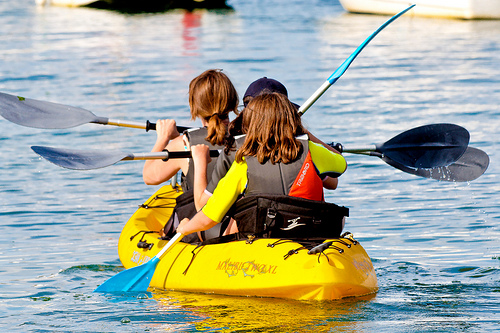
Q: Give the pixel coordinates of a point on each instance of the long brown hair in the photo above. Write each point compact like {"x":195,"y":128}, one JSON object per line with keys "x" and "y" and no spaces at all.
{"x":212,"y":97}
{"x":271,"y":123}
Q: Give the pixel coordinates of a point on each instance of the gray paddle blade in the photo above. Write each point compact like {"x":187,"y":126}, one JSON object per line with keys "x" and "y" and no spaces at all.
{"x":79,"y":159}
{"x":41,"y":114}
{"x":471,"y":165}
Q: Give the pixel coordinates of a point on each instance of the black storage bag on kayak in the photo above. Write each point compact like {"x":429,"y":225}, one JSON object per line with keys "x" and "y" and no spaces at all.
{"x":185,"y":207}
{"x":281,"y":216}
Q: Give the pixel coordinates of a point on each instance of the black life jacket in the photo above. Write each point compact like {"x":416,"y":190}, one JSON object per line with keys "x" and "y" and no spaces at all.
{"x":195,"y":137}
{"x":185,"y":206}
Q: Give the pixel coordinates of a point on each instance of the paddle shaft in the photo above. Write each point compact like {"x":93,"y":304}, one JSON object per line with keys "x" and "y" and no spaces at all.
{"x":174,"y":240}
{"x":426,"y":146}
{"x":149,"y":126}
{"x":165,"y":155}
{"x":94,"y":159}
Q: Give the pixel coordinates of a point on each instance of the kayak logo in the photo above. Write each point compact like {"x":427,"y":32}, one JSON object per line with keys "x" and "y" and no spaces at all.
{"x":293,"y":223}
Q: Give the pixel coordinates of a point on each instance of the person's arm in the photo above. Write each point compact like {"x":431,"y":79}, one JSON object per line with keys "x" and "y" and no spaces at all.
{"x":202,"y":199}
{"x":225,"y":195}
{"x":201,"y":158}
{"x":330,"y":183}
{"x":199,"y":222}
{"x":157,"y":171}
{"x":329,"y":165}
{"x":223,"y":164}
{"x":316,"y":140}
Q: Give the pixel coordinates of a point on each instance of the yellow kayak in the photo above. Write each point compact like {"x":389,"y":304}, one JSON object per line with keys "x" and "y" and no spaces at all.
{"x":267,"y":267}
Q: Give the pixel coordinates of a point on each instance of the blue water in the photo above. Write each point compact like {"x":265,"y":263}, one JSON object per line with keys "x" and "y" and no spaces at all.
{"x":435,"y":245}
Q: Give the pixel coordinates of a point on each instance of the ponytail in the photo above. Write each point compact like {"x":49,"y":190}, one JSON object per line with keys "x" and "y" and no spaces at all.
{"x":216,"y":130}
{"x":211,"y":97}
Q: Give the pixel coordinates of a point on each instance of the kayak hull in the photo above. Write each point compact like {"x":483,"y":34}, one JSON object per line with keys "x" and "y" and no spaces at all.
{"x":265,"y":267}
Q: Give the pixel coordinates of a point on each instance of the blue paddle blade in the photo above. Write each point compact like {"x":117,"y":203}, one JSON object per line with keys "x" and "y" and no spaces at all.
{"x":137,"y":278}
{"x":132,"y":279}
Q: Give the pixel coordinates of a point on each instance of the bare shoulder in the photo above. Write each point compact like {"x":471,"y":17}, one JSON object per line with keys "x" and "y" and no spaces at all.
{"x":176,"y":144}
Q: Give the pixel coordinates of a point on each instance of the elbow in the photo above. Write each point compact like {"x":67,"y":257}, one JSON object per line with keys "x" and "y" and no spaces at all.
{"x":149,"y":181}
{"x":330,"y":183}
{"x":201,"y":201}
{"x":208,"y":224}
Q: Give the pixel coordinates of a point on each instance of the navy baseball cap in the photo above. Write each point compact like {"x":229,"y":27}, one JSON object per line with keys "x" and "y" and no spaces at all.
{"x":264,"y":83}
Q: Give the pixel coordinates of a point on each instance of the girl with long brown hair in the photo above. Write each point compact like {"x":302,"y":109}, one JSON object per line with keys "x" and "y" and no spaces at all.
{"x":275,"y":158}
{"x":212,"y":97}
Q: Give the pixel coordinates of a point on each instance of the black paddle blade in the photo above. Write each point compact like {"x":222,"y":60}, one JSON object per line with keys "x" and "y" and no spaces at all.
{"x":79,"y":159}
{"x":41,"y":114}
{"x":427,"y":146}
{"x":471,"y":165}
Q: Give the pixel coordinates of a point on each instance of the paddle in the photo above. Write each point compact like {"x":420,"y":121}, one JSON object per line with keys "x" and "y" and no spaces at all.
{"x":95,"y":159}
{"x":426,"y":146}
{"x":137,"y":278}
{"x":41,"y":114}
{"x":422,"y":147}
{"x":341,"y":70}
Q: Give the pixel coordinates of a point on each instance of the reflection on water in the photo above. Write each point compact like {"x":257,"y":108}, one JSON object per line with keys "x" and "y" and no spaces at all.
{"x":246,"y":313}
{"x":190,"y":22}
{"x":121,"y":55}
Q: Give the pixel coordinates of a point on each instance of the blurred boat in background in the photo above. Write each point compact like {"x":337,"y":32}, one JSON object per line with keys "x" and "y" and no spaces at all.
{"x":67,"y":3}
{"x":457,"y":9}
{"x":143,"y":5}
